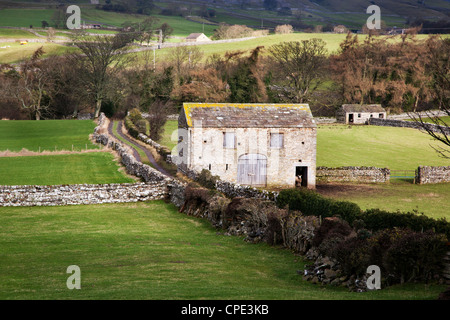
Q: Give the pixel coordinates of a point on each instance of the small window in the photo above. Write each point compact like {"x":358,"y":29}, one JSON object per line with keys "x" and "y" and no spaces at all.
{"x":381,"y":116}
{"x":229,"y":140}
{"x":277,"y":140}
{"x":359,"y":115}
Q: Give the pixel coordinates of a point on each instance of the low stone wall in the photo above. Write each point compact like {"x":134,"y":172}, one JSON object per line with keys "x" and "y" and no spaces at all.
{"x":426,"y":174}
{"x":407,"y":124}
{"x":353,"y":174}
{"x":31,"y":195}
{"x":233,"y":190}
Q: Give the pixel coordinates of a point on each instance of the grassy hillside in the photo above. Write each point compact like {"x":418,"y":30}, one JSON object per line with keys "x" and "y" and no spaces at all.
{"x":151,"y":251}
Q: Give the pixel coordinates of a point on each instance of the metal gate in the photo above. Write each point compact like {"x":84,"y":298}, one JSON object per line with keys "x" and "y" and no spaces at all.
{"x":404,"y":175}
{"x":252,"y":170}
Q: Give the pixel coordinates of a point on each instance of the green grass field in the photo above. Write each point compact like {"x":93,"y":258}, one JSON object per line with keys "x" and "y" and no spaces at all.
{"x":16,"y":53}
{"x":50,"y":135}
{"x":25,"y":17}
{"x":90,"y":168}
{"x":151,"y":251}
{"x":385,"y":147}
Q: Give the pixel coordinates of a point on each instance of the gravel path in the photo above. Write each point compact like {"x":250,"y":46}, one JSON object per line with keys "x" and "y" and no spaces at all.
{"x":134,"y":146}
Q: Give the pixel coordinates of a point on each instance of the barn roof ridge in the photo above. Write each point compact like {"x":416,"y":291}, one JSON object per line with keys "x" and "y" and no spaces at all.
{"x":255,"y":115}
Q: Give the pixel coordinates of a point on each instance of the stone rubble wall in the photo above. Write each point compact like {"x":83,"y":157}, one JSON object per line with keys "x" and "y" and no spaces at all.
{"x":426,"y":174}
{"x":407,"y":124}
{"x":353,"y":174}
{"x":58,"y":195}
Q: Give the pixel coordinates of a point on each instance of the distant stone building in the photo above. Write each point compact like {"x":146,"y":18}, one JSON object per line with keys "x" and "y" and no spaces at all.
{"x":359,"y":113}
{"x":250,"y":144}
{"x":197,"y":37}
{"x":340,"y":29}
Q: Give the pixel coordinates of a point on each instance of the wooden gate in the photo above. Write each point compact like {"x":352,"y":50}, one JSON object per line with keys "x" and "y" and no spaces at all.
{"x":252,"y":170}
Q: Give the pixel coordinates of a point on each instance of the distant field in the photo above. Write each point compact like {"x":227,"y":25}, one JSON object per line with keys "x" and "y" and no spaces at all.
{"x":16,"y":34}
{"x":47,"y":135}
{"x":16,"y":52}
{"x":91,"y":168}
{"x":25,"y":17}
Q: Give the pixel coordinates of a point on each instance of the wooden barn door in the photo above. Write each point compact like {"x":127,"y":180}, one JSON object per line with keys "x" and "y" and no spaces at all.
{"x":252,"y":170}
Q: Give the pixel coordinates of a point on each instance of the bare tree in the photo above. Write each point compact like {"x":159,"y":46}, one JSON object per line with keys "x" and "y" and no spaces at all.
{"x":29,"y":85}
{"x":185,"y":58}
{"x":99,"y":59}
{"x":300,"y":68}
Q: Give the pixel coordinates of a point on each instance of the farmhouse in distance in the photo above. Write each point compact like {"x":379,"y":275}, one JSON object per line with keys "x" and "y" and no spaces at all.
{"x":197,"y":37}
{"x":359,"y":113}
{"x":250,"y":144}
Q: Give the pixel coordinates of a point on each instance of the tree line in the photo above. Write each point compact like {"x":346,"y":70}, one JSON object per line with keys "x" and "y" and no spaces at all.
{"x":402,"y":74}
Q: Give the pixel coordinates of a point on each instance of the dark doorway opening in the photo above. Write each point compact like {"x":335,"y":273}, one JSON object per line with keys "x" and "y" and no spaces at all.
{"x":350,"y":117}
{"x":301,"y":177}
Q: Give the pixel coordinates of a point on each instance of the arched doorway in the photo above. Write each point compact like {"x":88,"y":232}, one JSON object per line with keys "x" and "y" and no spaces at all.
{"x":252,"y":170}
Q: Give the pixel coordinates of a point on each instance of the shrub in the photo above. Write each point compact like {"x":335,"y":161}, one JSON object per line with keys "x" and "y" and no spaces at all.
{"x":331,"y":228}
{"x":376,"y":219}
{"x":311,"y":203}
{"x":231,"y":32}
{"x":135,"y":115}
{"x":284,"y":29}
{"x":132,"y":130}
{"x":353,"y":255}
{"x":207,"y":180}
{"x":416,"y":256}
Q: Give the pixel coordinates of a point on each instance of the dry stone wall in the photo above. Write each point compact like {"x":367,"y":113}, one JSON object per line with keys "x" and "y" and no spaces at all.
{"x":353,"y":174}
{"x":407,"y":124}
{"x":427,"y":174}
{"x":32,"y":195}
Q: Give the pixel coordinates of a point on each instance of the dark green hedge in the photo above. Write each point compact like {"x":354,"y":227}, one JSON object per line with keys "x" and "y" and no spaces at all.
{"x":310,"y":202}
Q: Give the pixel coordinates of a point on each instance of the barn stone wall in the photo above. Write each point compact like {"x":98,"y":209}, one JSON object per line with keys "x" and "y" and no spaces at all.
{"x":353,"y":174}
{"x":207,"y":152}
{"x":426,"y":174}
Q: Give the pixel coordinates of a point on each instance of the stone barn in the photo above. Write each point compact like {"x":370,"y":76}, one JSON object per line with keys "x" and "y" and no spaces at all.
{"x":359,"y":113}
{"x":197,"y":37}
{"x":262,"y":145}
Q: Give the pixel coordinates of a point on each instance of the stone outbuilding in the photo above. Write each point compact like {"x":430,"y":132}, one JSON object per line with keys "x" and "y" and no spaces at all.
{"x":359,"y":113}
{"x":197,"y":37}
{"x":262,"y":145}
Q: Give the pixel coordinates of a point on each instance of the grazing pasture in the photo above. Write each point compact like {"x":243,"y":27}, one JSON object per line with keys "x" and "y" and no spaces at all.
{"x":81,"y":168}
{"x":50,"y":135}
{"x":151,"y":251}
